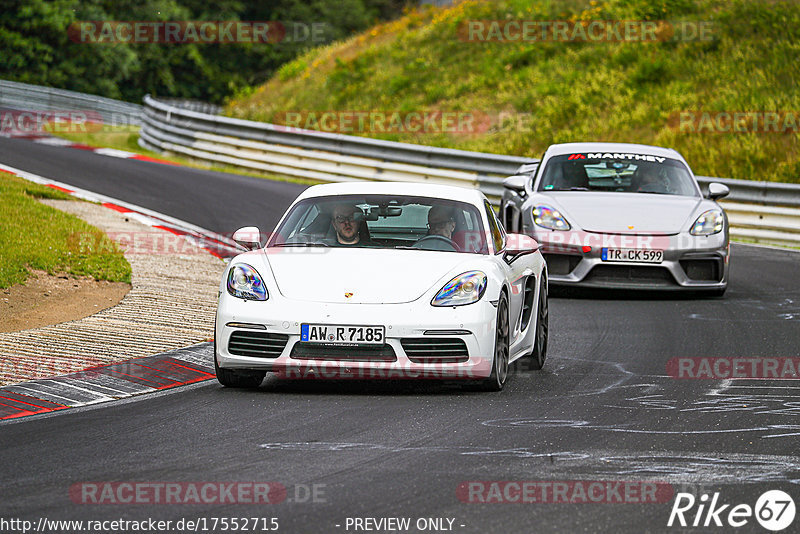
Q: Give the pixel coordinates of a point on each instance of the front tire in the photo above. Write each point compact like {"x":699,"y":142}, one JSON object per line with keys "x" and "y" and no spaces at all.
{"x":497,"y":379}
{"x":538,"y":354}
{"x":237,"y":378}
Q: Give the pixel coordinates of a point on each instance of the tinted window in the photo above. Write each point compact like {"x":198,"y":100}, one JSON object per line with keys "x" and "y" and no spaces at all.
{"x":627,"y":173}
{"x":498,"y":234}
{"x":383,"y":221}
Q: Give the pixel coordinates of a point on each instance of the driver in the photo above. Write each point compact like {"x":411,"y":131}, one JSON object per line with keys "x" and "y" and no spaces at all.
{"x":441,"y":226}
{"x":441,"y":222}
{"x":345,"y":223}
{"x":650,"y":181}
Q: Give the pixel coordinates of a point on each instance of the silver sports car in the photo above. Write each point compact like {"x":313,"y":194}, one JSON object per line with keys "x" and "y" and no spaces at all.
{"x":621,"y":215}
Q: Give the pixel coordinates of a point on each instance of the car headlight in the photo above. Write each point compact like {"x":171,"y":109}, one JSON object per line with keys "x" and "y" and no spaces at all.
{"x":244,"y":282}
{"x":709,"y":223}
{"x":549,"y":218}
{"x":464,"y":289}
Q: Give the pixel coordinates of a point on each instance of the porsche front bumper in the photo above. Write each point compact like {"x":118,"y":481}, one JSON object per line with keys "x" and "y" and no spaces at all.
{"x":689,"y":262}
{"x":415,"y":334}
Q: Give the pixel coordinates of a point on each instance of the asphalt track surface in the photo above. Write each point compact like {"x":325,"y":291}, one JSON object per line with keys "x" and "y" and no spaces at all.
{"x":603,"y":408}
{"x":212,"y":200}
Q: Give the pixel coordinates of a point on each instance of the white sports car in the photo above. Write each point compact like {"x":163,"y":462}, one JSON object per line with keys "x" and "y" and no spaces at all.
{"x":382,"y":280}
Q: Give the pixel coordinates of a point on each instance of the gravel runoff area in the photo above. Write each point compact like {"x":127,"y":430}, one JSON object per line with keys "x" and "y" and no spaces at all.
{"x":171,"y":304}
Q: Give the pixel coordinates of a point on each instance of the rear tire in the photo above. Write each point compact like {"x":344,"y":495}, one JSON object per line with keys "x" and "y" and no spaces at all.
{"x":237,"y":378}
{"x":538,"y":354}
{"x":497,"y":379}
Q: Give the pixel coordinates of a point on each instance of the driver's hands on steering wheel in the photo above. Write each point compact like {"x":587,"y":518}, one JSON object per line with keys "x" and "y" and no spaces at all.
{"x":436,"y":242}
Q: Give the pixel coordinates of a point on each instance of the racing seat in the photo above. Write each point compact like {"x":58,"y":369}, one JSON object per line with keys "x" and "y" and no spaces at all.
{"x":459,"y":236}
{"x":320,"y":226}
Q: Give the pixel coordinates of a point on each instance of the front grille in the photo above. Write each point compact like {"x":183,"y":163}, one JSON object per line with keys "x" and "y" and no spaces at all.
{"x":435,"y":350}
{"x":709,"y":270}
{"x":257,"y":344}
{"x":631,"y":274}
{"x":561,"y":263}
{"x":355,"y":353}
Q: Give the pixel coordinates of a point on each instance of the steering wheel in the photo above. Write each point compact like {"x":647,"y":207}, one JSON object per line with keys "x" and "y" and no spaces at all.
{"x":436,"y":241}
{"x":655,"y":187}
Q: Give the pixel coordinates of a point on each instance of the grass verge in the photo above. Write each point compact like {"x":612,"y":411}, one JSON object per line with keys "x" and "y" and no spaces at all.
{"x":36,"y":236}
{"x":554,"y":90}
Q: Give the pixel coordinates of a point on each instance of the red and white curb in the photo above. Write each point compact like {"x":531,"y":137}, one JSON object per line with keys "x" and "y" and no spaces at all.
{"x":108,"y":382}
{"x":217,"y":244}
{"x":44,"y":139}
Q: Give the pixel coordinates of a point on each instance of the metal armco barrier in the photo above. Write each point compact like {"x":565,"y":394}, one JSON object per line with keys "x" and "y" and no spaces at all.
{"x":761,"y":211}
{"x":764,"y":224}
{"x":26,"y":97}
{"x":766,"y":212}
{"x":316,"y":155}
{"x":770,"y":193}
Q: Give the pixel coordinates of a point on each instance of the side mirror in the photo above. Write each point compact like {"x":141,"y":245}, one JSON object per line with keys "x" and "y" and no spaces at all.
{"x":520,"y":244}
{"x":717,"y":190}
{"x":516,"y":183}
{"x":249,"y":237}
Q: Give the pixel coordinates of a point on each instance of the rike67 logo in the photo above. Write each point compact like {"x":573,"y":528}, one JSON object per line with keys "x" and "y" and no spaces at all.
{"x":774,"y":510}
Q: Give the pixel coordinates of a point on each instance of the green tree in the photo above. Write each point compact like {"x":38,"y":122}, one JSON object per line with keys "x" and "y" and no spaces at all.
{"x":37,"y":47}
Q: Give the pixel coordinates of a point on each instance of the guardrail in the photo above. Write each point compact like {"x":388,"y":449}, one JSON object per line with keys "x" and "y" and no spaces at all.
{"x":757,"y":192}
{"x":774,"y":225}
{"x":316,"y":155}
{"x":25,"y":97}
{"x":759,"y":211}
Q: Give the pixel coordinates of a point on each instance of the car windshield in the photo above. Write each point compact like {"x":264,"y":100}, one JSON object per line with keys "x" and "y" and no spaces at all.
{"x":383,"y":221}
{"x":627,"y":173}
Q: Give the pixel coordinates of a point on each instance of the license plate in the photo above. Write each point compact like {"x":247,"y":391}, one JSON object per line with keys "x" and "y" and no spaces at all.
{"x":334,"y":334}
{"x":632,"y":255}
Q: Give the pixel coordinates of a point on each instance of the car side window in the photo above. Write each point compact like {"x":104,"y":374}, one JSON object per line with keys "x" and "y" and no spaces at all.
{"x":498,"y":234}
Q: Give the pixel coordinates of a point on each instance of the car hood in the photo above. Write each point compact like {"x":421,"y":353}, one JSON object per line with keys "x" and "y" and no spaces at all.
{"x":626,"y":212}
{"x":369,"y":276}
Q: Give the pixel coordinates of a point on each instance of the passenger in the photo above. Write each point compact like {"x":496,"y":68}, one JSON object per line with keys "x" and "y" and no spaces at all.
{"x":346,"y":224}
